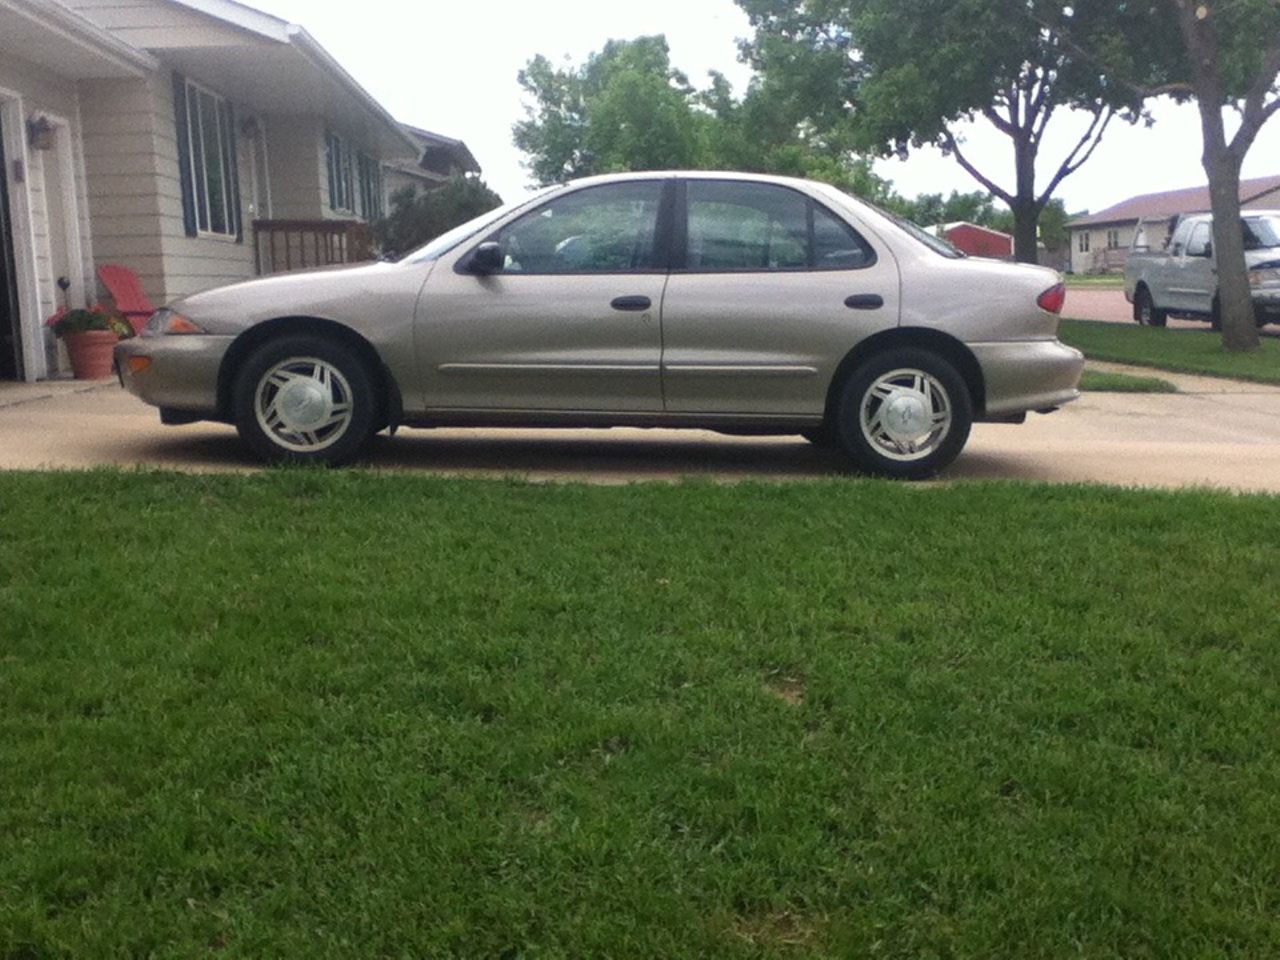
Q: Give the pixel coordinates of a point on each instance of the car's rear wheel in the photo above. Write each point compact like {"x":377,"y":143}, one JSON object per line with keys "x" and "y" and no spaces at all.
{"x":905,"y":414}
{"x":1146,"y":312}
{"x":305,"y":399}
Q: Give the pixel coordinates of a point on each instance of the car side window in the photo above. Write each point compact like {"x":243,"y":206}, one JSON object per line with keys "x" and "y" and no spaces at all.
{"x":606,"y":229}
{"x":1198,"y":245}
{"x":737,"y":227}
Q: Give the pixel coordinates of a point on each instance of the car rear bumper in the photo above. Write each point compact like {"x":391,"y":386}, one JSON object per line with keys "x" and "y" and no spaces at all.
{"x":1028,"y":375}
{"x":182,"y":374}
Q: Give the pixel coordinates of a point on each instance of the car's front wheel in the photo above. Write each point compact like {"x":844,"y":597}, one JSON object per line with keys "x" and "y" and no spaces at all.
{"x":905,"y":414}
{"x":305,"y":399}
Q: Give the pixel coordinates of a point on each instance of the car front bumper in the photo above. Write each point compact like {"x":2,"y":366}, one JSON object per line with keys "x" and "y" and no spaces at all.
{"x":182,"y":374}
{"x":1028,"y":375}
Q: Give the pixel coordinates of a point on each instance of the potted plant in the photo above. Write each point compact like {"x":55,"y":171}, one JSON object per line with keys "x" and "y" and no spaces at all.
{"x":91,"y":335}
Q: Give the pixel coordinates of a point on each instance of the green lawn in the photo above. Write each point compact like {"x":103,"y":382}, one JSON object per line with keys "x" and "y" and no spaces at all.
{"x":342,"y":715}
{"x":1182,"y":351}
{"x":1102,"y":381}
{"x":1089,"y":281}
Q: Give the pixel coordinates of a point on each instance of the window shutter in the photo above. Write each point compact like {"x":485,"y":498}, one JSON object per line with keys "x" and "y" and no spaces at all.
{"x":183,"y":123}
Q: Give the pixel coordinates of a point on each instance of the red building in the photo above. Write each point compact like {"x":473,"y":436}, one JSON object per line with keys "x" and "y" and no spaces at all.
{"x":977,"y":241}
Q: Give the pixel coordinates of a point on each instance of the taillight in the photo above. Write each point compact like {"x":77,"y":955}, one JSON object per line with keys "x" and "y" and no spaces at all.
{"x":1053,"y":299}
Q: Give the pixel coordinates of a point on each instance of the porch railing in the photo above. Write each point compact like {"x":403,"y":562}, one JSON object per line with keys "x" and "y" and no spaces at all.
{"x":283,"y":245}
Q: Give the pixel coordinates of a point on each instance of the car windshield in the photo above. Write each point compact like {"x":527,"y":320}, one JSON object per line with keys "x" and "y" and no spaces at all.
{"x":1261,"y":233}
{"x":461,"y":234}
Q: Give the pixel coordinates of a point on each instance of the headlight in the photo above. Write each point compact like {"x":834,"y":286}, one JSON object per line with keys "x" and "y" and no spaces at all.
{"x":168,"y":322}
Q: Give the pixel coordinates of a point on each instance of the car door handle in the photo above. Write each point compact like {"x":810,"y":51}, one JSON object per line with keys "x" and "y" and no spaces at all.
{"x":632,"y":304}
{"x":865,"y":301}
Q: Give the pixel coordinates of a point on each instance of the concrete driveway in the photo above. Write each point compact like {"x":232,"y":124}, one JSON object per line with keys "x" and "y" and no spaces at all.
{"x":1215,"y":433}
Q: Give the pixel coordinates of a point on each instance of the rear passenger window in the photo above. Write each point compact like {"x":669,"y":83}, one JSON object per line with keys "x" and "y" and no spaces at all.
{"x":754,"y":227}
{"x":836,"y":245}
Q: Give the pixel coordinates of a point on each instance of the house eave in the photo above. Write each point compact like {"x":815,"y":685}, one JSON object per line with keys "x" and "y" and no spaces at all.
{"x":71,"y":37}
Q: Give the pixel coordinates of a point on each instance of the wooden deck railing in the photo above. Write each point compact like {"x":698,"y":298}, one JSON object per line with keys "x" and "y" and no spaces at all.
{"x":283,"y":245}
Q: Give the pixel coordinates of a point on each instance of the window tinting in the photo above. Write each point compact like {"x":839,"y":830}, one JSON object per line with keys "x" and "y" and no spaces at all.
{"x":752,"y":227}
{"x":609,"y":229}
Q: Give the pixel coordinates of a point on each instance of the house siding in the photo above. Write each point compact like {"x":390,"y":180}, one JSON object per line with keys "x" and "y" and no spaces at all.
{"x":299,"y":177}
{"x":131,"y":146}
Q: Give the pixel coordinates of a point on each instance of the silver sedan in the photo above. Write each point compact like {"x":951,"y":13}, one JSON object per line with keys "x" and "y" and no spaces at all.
{"x":724,"y":301}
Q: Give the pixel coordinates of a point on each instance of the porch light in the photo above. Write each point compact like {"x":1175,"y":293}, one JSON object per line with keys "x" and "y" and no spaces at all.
{"x":40,"y":130}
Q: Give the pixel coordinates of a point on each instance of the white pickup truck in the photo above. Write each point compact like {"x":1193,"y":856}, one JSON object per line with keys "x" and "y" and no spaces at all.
{"x":1182,"y":279}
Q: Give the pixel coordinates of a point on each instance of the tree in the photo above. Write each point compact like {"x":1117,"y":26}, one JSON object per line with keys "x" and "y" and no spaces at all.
{"x":414,"y":220}
{"x":1231,"y":60}
{"x":626,"y":108}
{"x":929,"y":209}
{"x":889,"y":75}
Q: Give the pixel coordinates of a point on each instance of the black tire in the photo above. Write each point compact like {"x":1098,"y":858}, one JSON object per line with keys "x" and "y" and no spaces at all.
{"x":305,"y":399}
{"x":1146,"y":312}
{"x":822,"y":436}
{"x":1215,"y":314}
{"x":887,"y":452}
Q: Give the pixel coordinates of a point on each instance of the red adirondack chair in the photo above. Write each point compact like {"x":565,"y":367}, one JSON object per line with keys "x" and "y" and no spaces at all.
{"x":126,"y":290}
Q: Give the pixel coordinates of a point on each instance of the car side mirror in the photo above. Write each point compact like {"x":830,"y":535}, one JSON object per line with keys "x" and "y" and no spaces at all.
{"x":1208,"y":251}
{"x":487,"y":258}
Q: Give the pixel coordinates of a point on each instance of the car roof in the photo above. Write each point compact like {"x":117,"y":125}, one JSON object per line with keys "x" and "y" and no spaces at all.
{"x":691,"y":175}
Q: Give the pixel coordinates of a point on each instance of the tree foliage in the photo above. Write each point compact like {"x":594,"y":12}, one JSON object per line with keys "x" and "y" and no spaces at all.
{"x":892,"y":75}
{"x":628,"y":108}
{"x":416,"y":219}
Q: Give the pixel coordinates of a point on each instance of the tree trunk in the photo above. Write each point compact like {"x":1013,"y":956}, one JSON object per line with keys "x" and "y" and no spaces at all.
{"x":1026,"y":228}
{"x":1235,"y":298}
{"x":1026,"y":211}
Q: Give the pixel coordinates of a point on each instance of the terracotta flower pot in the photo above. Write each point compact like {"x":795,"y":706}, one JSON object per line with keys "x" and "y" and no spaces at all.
{"x":90,"y":353}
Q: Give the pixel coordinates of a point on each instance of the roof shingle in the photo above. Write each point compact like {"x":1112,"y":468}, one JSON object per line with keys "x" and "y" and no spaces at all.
{"x":1158,"y":206}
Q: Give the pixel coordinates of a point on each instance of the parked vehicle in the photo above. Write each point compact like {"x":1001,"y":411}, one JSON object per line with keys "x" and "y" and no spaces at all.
{"x":735,"y":302}
{"x":1181,"y":280}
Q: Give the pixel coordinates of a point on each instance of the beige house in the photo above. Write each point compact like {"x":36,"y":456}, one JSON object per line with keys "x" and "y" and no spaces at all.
{"x":1100,"y":242}
{"x":198,"y":142}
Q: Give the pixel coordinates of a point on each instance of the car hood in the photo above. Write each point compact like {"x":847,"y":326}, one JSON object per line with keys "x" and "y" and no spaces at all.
{"x":231,"y":309}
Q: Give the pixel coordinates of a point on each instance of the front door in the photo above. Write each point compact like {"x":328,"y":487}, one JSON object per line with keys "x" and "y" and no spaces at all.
{"x":572,"y":322}
{"x":10,"y":336}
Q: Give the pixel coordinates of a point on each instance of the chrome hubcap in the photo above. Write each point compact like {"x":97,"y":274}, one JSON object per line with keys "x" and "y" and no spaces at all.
{"x":304,"y":404}
{"x":906,"y":415}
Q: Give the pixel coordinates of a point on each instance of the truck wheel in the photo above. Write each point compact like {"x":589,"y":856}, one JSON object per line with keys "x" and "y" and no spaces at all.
{"x":1146,"y":312}
{"x":1215,"y":314}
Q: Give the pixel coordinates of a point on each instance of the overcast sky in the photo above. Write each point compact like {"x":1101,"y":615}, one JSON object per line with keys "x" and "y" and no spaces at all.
{"x":451,"y":67}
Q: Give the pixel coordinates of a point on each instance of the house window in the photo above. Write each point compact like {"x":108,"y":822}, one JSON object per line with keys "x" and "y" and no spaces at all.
{"x":1082,"y":241}
{"x":206,"y":125}
{"x":341,"y":178}
{"x":1113,"y":239}
{"x":355,"y":180}
{"x":370,"y":176}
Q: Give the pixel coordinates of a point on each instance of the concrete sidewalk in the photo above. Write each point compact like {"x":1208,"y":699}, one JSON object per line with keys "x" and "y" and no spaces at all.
{"x":1217,"y":433}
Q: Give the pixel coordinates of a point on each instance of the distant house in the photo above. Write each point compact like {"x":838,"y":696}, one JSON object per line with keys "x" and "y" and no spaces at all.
{"x":1100,"y":242}
{"x":976,"y":241}
{"x":198,"y":142}
{"x":440,"y":158}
